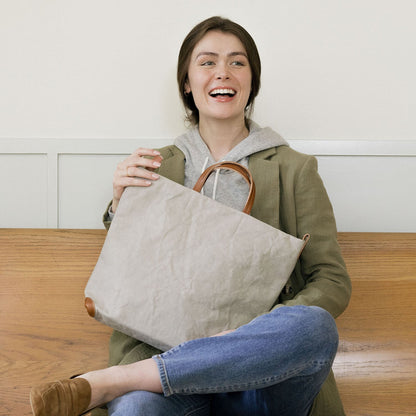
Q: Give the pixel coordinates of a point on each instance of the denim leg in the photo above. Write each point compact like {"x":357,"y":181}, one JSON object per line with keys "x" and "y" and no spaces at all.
{"x":144,"y":403}
{"x":296,"y":343}
{"x":291,"y":397}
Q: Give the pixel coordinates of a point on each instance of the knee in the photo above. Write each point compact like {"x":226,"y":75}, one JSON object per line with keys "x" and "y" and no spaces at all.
{"x":321,"y":330}
{"x":312,"y":329}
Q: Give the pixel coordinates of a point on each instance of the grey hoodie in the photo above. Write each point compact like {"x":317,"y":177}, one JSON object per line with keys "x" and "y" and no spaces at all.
{"x":225,"y":186}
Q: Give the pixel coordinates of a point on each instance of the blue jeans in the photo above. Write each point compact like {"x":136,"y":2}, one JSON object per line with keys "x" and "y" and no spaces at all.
{"x":274,"y":365}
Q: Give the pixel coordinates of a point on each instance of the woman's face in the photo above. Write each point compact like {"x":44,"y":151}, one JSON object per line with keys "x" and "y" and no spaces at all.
{"x":219,"y":77}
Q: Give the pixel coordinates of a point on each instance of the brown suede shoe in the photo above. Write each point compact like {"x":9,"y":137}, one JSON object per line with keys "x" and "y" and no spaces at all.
{"x":61,"y":398}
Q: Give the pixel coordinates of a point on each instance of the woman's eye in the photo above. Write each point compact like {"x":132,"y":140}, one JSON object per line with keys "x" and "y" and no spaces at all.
{"x":237,"y":63}
{"x":207,"y":63}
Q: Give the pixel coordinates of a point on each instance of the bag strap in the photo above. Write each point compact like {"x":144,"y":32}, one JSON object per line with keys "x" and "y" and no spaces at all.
{"x":242,"y":170}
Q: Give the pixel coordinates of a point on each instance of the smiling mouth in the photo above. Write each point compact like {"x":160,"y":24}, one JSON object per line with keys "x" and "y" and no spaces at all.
{"x":222,"y":92}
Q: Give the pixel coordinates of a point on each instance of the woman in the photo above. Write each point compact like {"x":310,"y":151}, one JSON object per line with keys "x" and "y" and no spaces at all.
{"x":280,"y":363}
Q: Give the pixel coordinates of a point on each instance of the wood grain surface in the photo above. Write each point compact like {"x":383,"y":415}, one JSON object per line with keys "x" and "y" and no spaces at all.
{"x":375,"y":366}
{"x":46,"y":333}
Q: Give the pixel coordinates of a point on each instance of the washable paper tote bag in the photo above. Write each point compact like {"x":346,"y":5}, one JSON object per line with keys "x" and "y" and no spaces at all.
{"x":177,"y":265}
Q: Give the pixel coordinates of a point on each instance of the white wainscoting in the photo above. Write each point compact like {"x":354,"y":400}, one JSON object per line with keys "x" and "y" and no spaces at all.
{"x":66,"y":183}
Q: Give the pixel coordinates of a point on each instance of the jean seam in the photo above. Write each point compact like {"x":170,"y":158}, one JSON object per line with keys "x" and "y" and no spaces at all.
{"x":167,"y":389}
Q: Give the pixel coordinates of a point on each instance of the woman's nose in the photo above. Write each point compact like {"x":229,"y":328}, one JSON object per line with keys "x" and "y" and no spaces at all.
{"x":222,"y":72}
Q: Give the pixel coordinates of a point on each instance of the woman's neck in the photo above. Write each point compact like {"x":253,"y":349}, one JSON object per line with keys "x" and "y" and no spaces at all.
{"x":221,"y":137}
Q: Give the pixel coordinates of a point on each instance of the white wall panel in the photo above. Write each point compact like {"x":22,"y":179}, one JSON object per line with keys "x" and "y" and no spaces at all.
{"x":371,"y":193}
{"x":67,"y":183}
{"x":23,"y":191}
{"x":85,"y":188}
{"x":337,"y":82}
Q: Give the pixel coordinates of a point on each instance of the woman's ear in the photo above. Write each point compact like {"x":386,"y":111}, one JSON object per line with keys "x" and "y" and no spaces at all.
{"x":187,"y":88}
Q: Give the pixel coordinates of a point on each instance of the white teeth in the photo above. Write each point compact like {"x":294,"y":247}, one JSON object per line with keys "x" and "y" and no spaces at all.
{"x":222,"y":91}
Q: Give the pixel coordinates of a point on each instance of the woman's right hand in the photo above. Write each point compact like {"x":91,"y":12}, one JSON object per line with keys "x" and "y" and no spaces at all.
{"x":135,"y":170}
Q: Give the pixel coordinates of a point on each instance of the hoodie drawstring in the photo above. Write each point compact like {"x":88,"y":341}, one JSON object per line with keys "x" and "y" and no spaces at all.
{"x":202,"y":171}
{"x":217,"y":173}
{"x":214,"y":191}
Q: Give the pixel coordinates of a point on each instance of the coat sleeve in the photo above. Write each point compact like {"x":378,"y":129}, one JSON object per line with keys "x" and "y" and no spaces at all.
{"x":106,"y":217}
{"x":320,"y":277}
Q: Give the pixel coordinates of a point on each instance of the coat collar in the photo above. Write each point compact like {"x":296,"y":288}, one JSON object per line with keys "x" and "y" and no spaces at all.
{"x":264,"y":168}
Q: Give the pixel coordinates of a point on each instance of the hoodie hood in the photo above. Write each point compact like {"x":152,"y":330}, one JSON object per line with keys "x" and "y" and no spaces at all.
{"x":225,"y":186}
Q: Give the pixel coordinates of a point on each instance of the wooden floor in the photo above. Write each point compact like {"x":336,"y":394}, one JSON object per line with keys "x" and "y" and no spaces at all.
{"x":46,"y":334}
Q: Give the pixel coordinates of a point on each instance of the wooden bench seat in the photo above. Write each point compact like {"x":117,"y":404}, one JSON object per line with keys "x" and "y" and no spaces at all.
{"x":46,"y":333}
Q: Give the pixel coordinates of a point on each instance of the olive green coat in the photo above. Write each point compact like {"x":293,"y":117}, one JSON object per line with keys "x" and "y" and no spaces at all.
{"x":290,"y":196}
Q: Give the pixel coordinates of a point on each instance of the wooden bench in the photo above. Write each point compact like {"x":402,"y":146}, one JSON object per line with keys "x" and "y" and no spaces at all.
{"x":46,"y":333}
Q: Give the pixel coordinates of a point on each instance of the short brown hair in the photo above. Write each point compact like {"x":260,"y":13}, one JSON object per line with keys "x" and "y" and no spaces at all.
{"x":188,"y":45}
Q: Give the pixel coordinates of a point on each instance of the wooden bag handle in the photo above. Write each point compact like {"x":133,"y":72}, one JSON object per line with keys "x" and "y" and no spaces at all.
{"x":236,"y":167}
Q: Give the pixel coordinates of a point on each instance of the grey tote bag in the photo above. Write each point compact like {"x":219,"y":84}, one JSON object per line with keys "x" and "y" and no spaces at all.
{"x":177,"y":265}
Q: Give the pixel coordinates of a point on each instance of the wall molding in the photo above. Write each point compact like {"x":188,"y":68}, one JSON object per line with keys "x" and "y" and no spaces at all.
{"x":55,"y":149}
{"x":332,"y":147}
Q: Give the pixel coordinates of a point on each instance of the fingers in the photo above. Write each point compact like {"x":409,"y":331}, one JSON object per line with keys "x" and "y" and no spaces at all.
{"x":138,"y":164}
{"x":140,"y":158}
{"x":220,"y":334}
{"x":144,"y":151}
{"x":156,"y":160}
{"x":136,"y":170}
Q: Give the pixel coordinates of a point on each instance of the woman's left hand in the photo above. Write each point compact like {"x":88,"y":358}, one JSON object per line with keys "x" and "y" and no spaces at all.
{"x":220,"y":334}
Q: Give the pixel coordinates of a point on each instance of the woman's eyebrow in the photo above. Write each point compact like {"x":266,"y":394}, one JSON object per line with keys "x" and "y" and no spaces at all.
{"x":237,"y":53}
